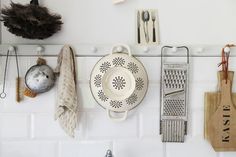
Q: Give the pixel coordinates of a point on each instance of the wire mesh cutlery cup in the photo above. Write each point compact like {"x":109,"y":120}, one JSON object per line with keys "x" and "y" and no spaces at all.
{"x":174,"y":97}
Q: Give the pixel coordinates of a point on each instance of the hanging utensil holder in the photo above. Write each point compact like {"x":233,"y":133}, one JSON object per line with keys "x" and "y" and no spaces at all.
{"x":174,"y":97}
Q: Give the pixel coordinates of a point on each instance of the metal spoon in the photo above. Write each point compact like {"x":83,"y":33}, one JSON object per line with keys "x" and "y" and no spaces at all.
{"x":146,"y":18}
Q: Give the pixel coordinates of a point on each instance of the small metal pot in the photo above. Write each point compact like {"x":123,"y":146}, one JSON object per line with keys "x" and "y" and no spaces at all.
{"x":40,"y":78}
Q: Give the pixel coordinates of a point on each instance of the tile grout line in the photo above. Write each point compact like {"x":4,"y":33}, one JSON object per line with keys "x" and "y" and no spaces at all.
{"x":29,"y":126}
{"x":112,"y":145}
{"x":85,"y":133}
{"x":32,"y":133}
{"x":139,"y":126}
{"x":58,"y":150}
{"x":164,"y":150}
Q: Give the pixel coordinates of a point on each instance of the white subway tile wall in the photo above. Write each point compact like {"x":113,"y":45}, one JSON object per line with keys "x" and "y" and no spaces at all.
{"x":194,"y":147}
{"x":28,"y":129}
{"x":77,"y":148}
{"x":28,"y":148}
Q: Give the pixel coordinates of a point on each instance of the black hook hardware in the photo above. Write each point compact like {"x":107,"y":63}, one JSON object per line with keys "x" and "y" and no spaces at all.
{"x":34,"y":2}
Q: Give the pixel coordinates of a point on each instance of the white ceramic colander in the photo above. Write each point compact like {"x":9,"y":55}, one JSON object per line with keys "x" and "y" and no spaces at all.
{"x":119,"y":82}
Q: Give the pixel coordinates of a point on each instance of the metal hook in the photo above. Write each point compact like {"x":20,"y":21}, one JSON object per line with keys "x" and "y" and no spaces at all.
{"x":146,"y":49}
{"x":39,"y":51}
{"x":11,"y":48}
{"x":227,"y":50}
{"x":94,"y":49}
{"x":117,"y":1}
{"x":175,"y":48}
{"x":199,"y":50}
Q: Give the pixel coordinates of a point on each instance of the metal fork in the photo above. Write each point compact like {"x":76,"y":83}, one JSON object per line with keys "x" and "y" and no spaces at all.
{"x":153,"y":15}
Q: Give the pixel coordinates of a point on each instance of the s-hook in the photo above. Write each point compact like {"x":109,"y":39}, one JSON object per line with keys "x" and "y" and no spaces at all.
{"x":3,"y":94}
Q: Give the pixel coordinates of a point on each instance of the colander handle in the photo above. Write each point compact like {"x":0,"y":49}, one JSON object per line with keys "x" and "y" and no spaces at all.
{"x":120,"y":49}
{"x":117,"y":119}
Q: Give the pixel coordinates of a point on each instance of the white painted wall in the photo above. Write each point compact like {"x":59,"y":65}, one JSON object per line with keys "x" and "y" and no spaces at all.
{"x":98,"y":21}
{"x":28,"y":129}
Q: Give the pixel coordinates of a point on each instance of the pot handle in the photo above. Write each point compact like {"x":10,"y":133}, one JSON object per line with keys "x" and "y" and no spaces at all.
{"x":119,"y":49}
{"x":117,"y":119}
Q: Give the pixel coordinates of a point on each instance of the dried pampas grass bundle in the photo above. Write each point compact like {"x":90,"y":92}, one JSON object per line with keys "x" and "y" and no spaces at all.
{"x":31,"y":21}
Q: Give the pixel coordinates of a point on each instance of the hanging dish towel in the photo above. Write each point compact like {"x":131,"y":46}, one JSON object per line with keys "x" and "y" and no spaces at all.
{"x":67,"y":104}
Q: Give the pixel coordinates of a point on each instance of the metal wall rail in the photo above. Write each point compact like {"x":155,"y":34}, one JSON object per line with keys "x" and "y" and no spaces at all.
{"x":89,"y":50}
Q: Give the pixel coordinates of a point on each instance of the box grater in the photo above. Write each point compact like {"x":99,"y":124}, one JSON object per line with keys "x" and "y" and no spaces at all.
{"x":174,"y":96}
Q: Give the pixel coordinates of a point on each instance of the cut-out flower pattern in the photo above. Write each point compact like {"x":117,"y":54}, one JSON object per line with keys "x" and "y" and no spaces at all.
{"x":98,"y":80}
{"x":133,"y":67}
{"x":105,"y":66}
{"x":132,"y":99}
{"x":118,"y":82}
{"x":118,"y":61}
{"x":116,"y":104}
{"x":102,"y":96}
{"x":139,"y":83}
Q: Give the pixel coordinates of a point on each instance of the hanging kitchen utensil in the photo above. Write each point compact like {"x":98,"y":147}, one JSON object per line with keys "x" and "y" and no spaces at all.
{"x":31,"y":21}
{"x":39,"y":78}
{"x":3,"y":94}
{"x":220,"y":113}
{"x":174,"y":97}
{"x":119,"y":82}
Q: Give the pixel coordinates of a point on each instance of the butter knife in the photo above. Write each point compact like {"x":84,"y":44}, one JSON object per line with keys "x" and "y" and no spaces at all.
{"x":138,"y":27}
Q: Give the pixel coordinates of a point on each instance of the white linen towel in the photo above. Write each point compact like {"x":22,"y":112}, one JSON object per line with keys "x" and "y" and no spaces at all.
{"x":66,"y":111}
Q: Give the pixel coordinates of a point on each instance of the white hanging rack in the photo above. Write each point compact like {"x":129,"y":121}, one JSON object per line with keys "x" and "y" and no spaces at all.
{"x":91,"y":50}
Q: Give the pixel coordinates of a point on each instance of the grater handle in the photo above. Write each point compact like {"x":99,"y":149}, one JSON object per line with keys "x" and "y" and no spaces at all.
{"x":119,"y":48}
{"x":171,"y":47}
{"x":117,"y":119}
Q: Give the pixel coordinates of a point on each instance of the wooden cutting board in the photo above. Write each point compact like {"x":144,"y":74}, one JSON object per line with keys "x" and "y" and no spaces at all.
{"x":220,"y":116}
